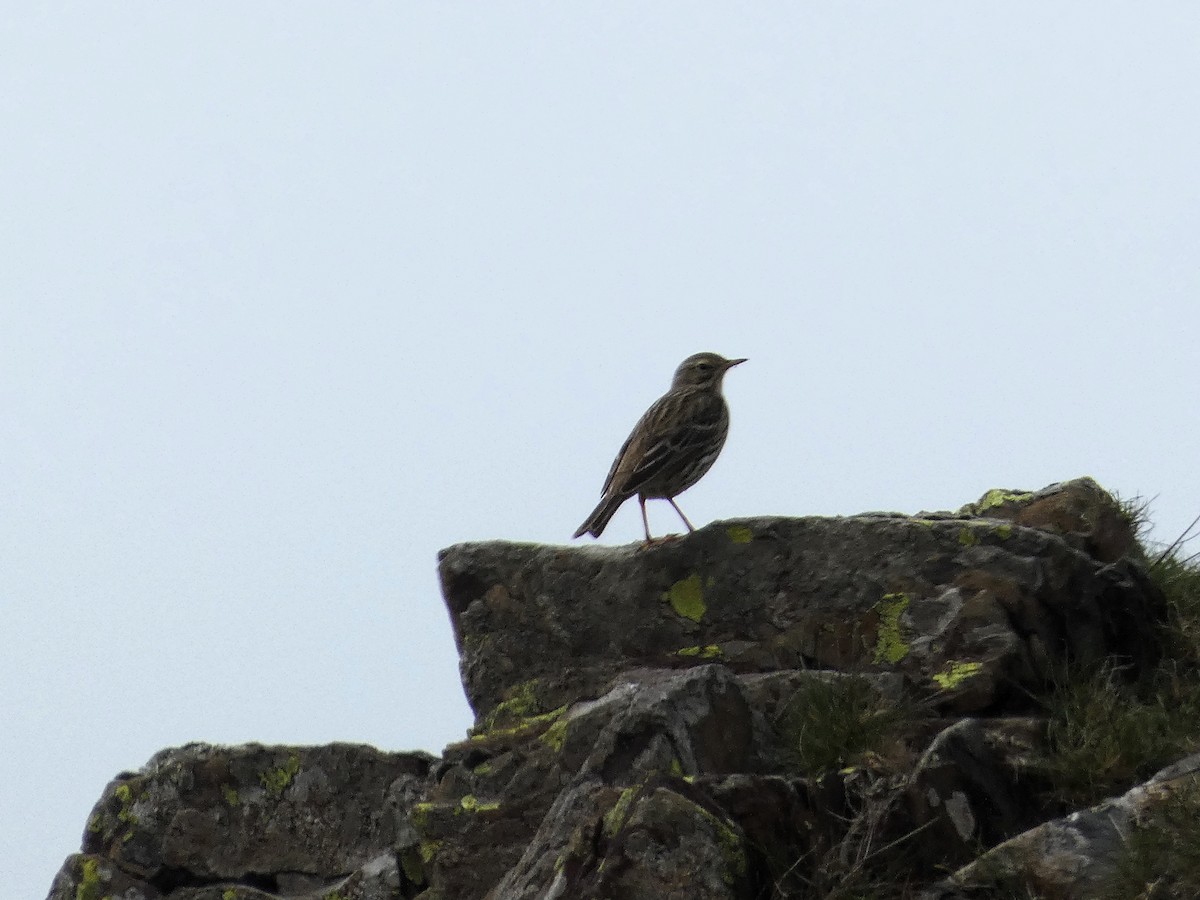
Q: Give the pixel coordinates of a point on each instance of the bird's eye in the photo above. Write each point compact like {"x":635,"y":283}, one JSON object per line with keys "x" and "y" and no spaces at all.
{"x":704,"y":367}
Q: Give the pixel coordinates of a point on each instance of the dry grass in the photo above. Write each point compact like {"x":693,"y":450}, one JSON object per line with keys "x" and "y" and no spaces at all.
{"x":1108,"y":731}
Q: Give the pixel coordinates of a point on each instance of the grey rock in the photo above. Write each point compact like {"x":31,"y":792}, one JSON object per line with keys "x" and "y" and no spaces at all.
{"x":1085,"y":514}
{"x":86,"y":876}
{"x":636,"y":732}
{"x":1074,"y":857}
{"x":511,"y":788}
{"x":977,"y":784}
{"x":972,"y":612}
{"x":291,"y":819}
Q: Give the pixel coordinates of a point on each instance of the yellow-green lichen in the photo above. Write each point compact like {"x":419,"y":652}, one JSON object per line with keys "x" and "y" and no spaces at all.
{"x":890,"y":644}
{"x":740,"y":534}
{"x":710,"y":651}
{"x":428,"y":850}
{"x":125,"y":815}
{"x":733,"y":851}
{"x":614,"y":819}
{"x":554,"y":736}
{"x":229,"y":894}
{"x":997,"y":497}
{"x":419,"y":814}
{"x":967,"y":537}
{"x":229,"y":792}
{"x":276,"y":780}
{"x":411,"y":865}
{"x":522,"y":728}
{"x":687,"y":598}
{"x":1004,"y":532}
{"x":520,"y":702}
{"x":482,"y":769}
{"x":124,"y":793}
{"x":471,"y":804}
{"x":96,"y":823}
{"x":676,"y":767}
{"x":89,"y":886}
{"x":956,"y":673}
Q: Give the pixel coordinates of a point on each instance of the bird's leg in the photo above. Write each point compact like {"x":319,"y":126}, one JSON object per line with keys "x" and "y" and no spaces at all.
{"x":653,"y":541}
{"x":671,"y":500}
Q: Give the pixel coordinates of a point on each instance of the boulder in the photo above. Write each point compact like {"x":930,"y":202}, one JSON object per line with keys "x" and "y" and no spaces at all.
{"x":974,"y":613}
{"x":1085,"y":514}
{"x":281,"y":820}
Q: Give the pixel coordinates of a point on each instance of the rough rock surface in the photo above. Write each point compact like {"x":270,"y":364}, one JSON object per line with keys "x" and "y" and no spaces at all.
{"x":279,"y":819}
{"x":971,"y":610}
{"x":639,"y":714}
{"x":1075,"y":856}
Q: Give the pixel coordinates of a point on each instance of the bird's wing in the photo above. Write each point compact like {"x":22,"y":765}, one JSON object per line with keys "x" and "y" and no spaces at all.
{"x":617,"y":462}
{"x":674,"y":426}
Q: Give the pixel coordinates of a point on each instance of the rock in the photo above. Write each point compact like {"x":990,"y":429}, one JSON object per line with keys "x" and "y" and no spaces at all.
{"x":1080,"y":510}
{"x":766,"y":708}
{"x":286,"y":819}
{"x":497,"y":788}
{"x":1077,"y":855}
{"x":976,"y":613}
{"x":666,"y":841}
{"x":660,"y":838}
{"x":86,"y":876}
{"x":976,"y":785}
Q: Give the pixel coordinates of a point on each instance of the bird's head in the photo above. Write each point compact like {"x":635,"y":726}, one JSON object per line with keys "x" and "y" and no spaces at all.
{"x":703,"y":370}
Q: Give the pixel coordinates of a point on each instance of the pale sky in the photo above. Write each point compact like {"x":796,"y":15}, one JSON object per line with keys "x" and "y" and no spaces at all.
{"x":295,"y":294}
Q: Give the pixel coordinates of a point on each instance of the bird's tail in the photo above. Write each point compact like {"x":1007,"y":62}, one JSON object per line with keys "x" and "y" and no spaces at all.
{"x":595,"y":523}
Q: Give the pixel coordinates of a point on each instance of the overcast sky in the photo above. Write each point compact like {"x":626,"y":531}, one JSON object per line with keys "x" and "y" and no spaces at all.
{"x":294,"y":295}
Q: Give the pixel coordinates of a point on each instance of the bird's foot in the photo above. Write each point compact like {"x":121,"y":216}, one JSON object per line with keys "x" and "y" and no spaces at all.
{"x":665,"y":539}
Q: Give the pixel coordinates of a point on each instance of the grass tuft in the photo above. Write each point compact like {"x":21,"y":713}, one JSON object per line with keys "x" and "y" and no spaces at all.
{"x":1162,"y":855}
{"x":1106,"y":732}
{"x":839,"y":722}
{"x":1179,"y":579}
{"x":1136,"y":512}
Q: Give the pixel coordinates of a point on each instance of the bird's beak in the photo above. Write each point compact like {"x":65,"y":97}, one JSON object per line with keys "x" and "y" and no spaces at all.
{"x":730,"y":363}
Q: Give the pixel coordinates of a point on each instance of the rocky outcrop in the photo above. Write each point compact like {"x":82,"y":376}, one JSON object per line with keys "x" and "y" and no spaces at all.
{"x":765,"y":708}
{"x":971,"y":611}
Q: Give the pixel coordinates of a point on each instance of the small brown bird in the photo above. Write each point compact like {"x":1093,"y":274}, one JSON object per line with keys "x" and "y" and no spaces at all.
{"x":673,"y":444}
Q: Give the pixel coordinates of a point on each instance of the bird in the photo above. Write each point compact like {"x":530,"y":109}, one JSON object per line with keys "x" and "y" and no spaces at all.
{"x":672,"y":445}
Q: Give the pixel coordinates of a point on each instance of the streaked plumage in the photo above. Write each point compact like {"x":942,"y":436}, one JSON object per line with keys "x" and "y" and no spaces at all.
{"x":673,"y":444}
